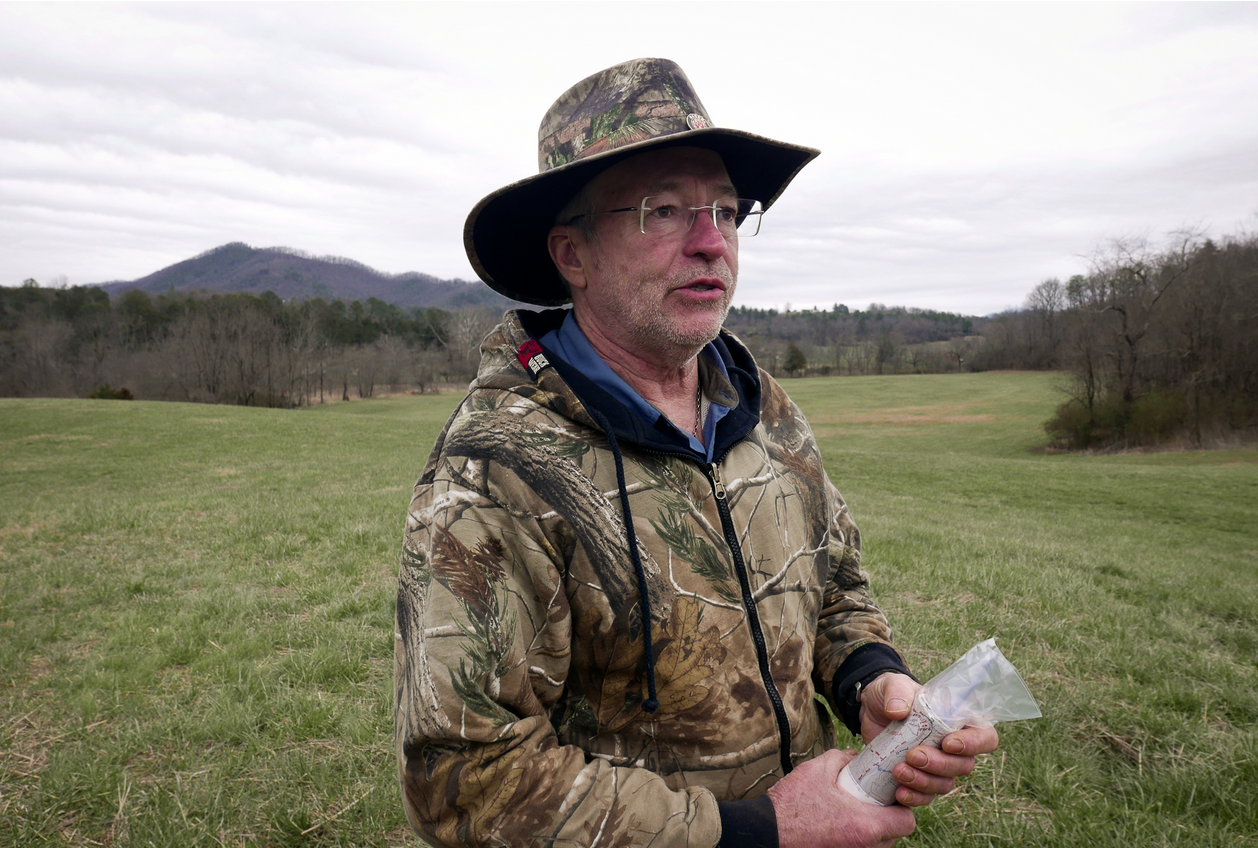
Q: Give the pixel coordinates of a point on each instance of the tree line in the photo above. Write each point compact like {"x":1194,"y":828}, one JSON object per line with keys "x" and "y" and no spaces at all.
{"x":843,"y":341}
{"x":227,"y":348}
{"x":259,"y":350}
{"x":1158,"y":341}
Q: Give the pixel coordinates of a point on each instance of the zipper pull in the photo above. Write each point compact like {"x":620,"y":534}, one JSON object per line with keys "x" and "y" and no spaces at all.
{"x":717,"y":486}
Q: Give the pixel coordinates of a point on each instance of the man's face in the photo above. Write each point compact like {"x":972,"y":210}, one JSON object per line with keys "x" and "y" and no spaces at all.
{"x":659,"y":297}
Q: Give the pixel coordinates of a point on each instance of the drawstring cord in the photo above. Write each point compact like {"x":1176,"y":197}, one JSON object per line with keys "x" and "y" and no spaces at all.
{"x":651,"y":704}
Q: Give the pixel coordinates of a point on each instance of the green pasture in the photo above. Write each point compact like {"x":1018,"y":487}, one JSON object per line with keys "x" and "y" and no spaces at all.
{"x":196,"y":614}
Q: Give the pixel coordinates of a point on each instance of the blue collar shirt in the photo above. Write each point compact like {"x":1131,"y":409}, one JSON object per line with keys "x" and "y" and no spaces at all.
{"x":570,"y":344}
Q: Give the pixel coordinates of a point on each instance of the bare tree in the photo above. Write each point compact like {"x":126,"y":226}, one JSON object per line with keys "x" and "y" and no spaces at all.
{"x":1129,"y":281}
{"x":1045,"y":302}
{"x":468,"y":330}
{"x":1162,"y":341}
{"x":37,"y":353}
{"x":397,"y":360}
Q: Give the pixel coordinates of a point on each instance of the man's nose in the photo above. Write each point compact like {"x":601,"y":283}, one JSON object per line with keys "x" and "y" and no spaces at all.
{"x":704,"y":238}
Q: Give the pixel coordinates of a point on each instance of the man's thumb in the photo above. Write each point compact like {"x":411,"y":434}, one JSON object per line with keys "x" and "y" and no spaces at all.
{"x":841,"y":757}
{"x":898,"y":708}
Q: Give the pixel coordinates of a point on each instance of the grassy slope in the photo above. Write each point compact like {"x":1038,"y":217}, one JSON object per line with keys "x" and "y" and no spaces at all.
{"x":196,"y":613}
{"x":196,"y":619}
{"x":1125,"y":588}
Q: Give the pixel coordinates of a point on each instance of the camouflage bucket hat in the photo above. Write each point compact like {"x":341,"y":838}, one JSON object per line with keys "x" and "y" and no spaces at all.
{"x":624,"y":110}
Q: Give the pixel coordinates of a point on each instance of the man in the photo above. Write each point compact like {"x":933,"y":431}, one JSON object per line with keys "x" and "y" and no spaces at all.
{"x":625,"y":574}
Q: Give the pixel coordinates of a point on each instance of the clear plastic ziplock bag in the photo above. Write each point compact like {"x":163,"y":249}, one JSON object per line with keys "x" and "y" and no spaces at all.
{"x":979,"y":689}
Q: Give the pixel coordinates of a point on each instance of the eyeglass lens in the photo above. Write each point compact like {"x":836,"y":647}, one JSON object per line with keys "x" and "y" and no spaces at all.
{"x":666,"y":215}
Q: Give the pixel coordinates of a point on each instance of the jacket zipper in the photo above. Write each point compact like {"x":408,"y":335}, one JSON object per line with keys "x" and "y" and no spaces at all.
{"x":753,"y":616}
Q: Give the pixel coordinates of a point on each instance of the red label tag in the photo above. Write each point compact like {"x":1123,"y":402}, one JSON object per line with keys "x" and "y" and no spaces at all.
{"x":531,"y":357}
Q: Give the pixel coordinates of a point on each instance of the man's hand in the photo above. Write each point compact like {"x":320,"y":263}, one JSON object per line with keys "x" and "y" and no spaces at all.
{"x":928,"y":771}
{"x":813,"y":811}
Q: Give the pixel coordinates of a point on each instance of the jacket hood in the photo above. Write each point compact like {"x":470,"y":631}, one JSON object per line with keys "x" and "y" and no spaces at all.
{"x":509,"y":361}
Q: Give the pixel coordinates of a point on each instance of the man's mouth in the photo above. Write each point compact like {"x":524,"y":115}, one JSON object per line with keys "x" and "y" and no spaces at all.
{"x":706,"y":284}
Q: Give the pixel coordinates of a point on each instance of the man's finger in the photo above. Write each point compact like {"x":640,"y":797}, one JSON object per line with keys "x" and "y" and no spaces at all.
{"x":895,"y":694}
{"x":971,"y":741}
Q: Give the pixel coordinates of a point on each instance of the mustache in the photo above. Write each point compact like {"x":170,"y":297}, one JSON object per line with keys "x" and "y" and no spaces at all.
{"x":721,"y":271}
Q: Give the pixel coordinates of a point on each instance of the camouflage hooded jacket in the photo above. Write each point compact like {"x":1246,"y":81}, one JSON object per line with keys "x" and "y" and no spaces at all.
{"x":524,"y":668}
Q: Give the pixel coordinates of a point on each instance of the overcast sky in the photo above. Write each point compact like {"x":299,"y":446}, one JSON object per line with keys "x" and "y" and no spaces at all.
{"x":969,"y":151}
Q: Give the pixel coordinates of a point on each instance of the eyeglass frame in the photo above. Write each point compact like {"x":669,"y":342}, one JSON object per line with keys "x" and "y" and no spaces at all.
{"x":643,"y":209}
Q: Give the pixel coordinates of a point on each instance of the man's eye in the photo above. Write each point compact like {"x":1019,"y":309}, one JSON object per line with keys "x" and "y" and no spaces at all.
{"x":663,"y":212}
{"x":726,"y":214}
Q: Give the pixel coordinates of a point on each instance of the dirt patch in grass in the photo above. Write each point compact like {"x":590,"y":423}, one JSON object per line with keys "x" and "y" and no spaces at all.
{"x":24,"y":745}
{"x":40,"y":669}
{"x":60,"y":437}
{"x":25,"y":751}
{"x":12,"y":531}
{"x":915,"y":416}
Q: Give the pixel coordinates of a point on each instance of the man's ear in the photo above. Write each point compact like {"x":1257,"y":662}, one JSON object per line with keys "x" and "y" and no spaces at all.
{"x":562,"y":242}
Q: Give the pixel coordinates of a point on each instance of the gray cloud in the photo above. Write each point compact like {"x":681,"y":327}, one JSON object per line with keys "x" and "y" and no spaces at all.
{"x":969,"y":151}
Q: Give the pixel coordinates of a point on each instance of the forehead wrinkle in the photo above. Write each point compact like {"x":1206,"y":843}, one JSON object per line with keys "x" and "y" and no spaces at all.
{"x":673,"y":185}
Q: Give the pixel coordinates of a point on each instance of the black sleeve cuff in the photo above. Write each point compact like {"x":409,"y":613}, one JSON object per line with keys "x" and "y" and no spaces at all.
{"x":748,"y":824}
{"x":863,"y":666}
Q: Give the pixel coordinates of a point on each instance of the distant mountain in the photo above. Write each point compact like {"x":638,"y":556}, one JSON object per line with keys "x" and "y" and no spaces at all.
{"x":294,"y":274}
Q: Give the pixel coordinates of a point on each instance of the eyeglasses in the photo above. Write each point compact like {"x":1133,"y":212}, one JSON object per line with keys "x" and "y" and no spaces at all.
{"x":664,"y":215}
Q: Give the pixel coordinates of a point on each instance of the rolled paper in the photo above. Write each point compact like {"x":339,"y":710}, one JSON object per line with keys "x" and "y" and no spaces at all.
{"x":981,"y":688}
{"x":870,"y":770}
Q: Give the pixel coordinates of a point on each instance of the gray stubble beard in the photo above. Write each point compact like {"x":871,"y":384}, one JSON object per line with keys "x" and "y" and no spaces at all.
{"x":657,"y":330}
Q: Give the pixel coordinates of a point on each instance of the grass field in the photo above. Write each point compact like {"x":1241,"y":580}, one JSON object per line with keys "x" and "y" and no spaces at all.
{"x":196,"y":614}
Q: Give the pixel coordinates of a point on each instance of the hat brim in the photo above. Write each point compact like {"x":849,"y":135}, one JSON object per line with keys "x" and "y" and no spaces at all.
{"x":505,"y":233}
